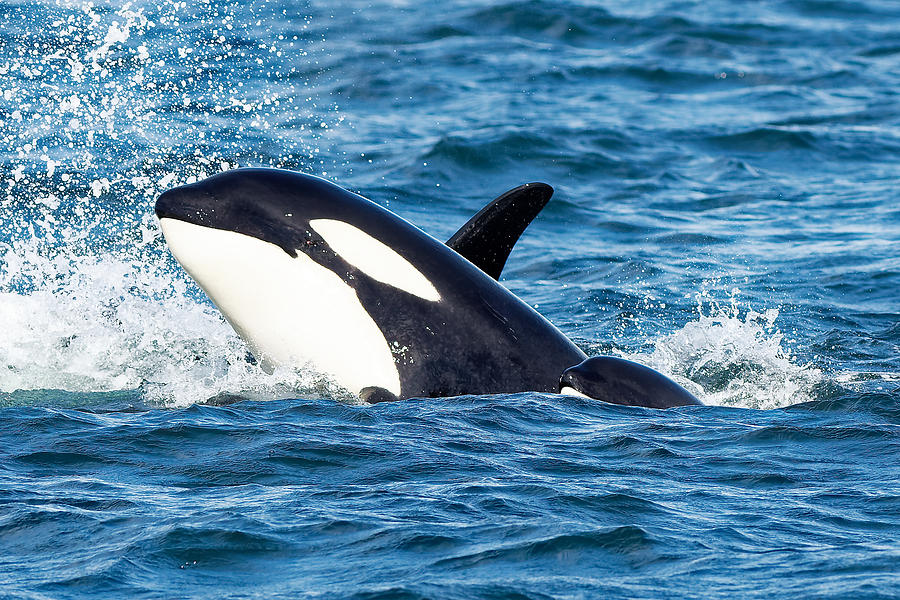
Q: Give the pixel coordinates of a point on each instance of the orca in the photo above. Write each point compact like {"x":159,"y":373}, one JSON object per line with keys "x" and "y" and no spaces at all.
{"x":311,"y":275}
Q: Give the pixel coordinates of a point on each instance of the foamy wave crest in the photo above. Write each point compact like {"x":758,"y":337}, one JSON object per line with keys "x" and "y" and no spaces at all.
{"x":104,"y":323}
{"x":731,"y":356}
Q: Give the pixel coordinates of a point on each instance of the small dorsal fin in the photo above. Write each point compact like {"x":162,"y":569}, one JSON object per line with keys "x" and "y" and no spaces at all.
{"x":488,"y":238}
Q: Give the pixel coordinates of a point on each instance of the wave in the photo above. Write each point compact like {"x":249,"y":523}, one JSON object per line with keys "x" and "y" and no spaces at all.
{"x":629,"y":541}
{"x":106,"y":323}
{"x":730,"y":356}
{"x":767,"y":139}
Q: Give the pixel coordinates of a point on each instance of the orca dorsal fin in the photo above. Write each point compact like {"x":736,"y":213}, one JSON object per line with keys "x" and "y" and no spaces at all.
{"x":488,"y":237}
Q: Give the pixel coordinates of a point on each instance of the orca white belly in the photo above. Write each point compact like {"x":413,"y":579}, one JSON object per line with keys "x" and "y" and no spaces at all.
{"x":291,"y":311}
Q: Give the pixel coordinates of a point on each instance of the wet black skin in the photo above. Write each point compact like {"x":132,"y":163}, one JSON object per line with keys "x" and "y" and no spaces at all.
{"x":478,"y":339}
{"x":621,"y":381}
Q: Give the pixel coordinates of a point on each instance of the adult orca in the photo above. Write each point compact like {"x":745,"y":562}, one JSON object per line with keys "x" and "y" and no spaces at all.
{"x":312,"y":275}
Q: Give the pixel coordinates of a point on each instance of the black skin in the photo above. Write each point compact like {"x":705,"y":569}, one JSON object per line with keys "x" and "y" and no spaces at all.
{"x":621,"y":381}
{"x":488,"y":237}
{"x":478,"y":339}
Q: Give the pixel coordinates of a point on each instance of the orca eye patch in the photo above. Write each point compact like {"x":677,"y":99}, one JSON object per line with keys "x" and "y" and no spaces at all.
{"x":374,"y":258}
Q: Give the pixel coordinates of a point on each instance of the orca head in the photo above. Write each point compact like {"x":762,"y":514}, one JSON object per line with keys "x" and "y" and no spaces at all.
{"x":279,"y":254}
{"x":267,"y":204}
{"x":621,"y":381}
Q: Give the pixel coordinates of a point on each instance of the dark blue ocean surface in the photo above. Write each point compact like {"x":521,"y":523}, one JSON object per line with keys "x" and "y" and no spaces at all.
{"x":725,"y":211}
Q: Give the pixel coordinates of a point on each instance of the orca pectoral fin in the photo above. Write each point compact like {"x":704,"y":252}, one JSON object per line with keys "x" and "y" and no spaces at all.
{"x":374,"y":395}
{"x":488,"y":237}
{"x":621,"y":381}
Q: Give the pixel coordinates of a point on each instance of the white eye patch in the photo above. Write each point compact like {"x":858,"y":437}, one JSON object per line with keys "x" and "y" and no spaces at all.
{"x":375,"y":259}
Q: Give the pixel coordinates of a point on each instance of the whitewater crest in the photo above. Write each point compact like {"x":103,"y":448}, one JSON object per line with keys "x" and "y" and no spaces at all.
{"x":732,"y":355}
{"x":99,"y":324}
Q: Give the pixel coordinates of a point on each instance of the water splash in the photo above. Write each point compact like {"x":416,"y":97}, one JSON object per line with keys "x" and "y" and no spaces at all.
{"x":94,"y":324}
{"x":734,"y":356}
{"x":103,"y":106}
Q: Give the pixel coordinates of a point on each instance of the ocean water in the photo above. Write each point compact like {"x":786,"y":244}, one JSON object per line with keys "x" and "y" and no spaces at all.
{"x":725,"y":211}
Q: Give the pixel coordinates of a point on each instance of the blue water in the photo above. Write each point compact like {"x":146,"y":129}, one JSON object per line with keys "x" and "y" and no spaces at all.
{"x":725,"y":211}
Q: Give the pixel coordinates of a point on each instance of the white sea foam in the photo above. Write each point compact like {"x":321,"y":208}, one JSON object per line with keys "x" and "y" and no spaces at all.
{"x":734,"y":356}
{"x":104,"y":323}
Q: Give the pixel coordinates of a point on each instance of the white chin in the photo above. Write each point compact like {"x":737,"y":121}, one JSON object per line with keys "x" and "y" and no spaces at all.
{"x":567,"y":391}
